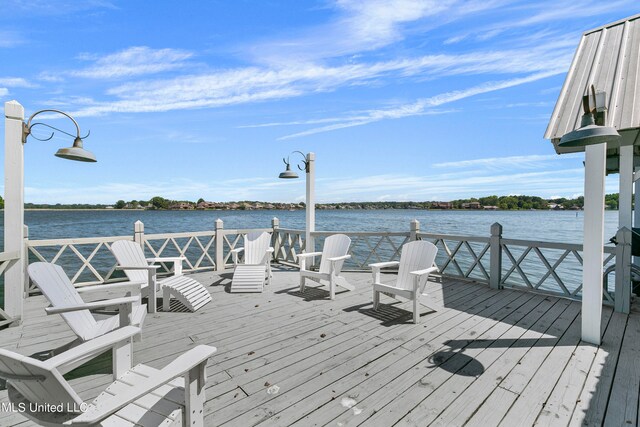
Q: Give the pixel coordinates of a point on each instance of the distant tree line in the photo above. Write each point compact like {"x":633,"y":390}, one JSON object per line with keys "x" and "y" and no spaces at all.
{"x":500,"y":202}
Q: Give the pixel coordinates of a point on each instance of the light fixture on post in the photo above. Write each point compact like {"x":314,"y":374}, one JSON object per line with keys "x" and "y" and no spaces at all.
{"x":75,"y":152}
{"x":590,"y":133}
{"x":15,"y":136}
{"x":593,"y":137}
{"x":307,"y":165}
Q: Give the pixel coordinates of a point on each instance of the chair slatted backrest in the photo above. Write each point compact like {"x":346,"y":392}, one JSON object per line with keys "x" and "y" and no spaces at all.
{"x":256,"y":244}
{"x":335,"y":245}
{"x":55,"y":285}
{"x":129,"y":253}
{"x":36,"y":381}
{"x":417,"y":255}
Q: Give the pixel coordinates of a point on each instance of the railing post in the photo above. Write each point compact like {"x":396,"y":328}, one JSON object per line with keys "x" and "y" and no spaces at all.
{"x":219,"y":245}
{"x":415,"y":229}
{"x":138,"y":233}
{"x":623,"y":271}
{"x":275,"y":224}
{"x":495,"y":254}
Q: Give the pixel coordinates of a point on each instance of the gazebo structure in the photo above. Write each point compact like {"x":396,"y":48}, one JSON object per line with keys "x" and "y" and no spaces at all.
{"x":607,"y":60}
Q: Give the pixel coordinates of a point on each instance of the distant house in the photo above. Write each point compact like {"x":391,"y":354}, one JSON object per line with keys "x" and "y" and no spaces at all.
{"x":182,"y":206}
{"x":555,"y":206}
{"x":471,"y":205}
{"x":490,"y":208}
{"x":441,"y":205}
{"x":207,"y":205}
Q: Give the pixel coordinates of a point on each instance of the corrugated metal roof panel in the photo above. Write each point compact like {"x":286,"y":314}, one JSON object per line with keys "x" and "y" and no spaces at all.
{"x":609,"y":58}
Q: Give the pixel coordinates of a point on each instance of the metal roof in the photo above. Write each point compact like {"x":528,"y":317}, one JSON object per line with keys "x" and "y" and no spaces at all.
{"x":609,"y":58}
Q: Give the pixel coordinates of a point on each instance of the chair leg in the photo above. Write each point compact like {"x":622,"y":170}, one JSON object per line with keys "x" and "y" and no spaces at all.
{"x":302,"y":283}
{"x":376,"y":299}
{"x":416,"y":312}
{"x":166,"y":299}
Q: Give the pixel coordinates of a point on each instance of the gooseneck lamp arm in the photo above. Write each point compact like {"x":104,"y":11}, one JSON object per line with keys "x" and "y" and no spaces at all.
{"x":288,"y":173}
{"x":75,"y":152}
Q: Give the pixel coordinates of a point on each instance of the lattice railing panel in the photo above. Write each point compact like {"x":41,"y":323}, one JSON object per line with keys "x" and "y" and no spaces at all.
{"x":6,"y":259}
{"x":85,"y":262}
{"x":556,"y":269}
{"x":461,"y":257}
{"x":198,"y":249}
{"x":288,"y":244}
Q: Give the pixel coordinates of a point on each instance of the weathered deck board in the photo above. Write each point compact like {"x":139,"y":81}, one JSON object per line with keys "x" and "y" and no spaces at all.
{"x":484,"y":357}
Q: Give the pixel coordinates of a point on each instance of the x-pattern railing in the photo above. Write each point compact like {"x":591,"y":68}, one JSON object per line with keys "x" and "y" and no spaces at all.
{"x":6,"y":260}
{"x":196,"y":247}
{"x":78,"y":257}
{"x":461,"y":256}
{"x":548,"y":267}
{"x":288,"y":244}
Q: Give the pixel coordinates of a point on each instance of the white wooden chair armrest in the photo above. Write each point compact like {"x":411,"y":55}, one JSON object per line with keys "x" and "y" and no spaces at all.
{"x":134,"y":286}
{"x":425,"y":271}
{"x":167,"y":259}
{"x":235,"y":253}
{"x":270,"y":250}
{"x":176,"y":260}
{"x":92,"y":305}
{"x":339,"y":258}
{"x":302,"y":258}
{"x":93,"y":346}
{"x":376,"y":267}
{"x":385,"y":264}
{"x":308,"y":254}
{"x":137,"y":267}
{"x":180,"y":366}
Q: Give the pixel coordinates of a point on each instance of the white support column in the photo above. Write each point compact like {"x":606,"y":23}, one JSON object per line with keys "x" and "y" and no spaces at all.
{"x":636,"y":211}
{"x":595,"y":163}
{"x":625,"y":209}
{"x":14,"y":207}
{"x":311,"y":202}
{"x":625,"y":221}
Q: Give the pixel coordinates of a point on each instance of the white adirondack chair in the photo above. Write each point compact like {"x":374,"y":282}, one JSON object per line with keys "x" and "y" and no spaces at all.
{"x":334,"y":253}
{"x":249,"y":276}
{"x":141,"y":395}
{"x":188,"y":291}
{"x":416,"y":263}
{"x":65,"y":300}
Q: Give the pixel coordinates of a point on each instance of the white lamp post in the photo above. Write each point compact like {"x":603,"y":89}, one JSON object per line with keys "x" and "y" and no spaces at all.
{"x":309,"y":163}
{"x":15,"y":136}
{"x":594,"y":138}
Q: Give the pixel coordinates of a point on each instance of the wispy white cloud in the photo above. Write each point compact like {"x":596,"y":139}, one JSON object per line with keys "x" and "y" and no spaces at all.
{"x":364,"y":26}
{"x":255,"y":84}
{"x":55,"y":7}
{"x":4,"y":91}
{"x":10,"y":39}
{"x":134,"y":61}
{"x":530,"y":161}
{"x":422,"y":106}
{"x":16,"y":82}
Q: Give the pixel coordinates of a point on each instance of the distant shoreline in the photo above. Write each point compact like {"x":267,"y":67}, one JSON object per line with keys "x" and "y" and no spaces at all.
{"x":301,"y":210}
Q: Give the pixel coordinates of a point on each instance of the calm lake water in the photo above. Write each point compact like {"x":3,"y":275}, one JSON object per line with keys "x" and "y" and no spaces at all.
{"x":555,"y":226}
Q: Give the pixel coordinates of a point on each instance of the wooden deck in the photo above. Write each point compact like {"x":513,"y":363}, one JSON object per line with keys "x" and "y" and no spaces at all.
{"x":484,"y":358}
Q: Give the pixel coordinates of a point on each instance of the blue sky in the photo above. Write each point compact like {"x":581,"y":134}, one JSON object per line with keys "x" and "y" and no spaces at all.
{"x":399,"y":99}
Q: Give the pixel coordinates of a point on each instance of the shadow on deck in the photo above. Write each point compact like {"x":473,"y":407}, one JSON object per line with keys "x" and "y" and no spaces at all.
{"x":478,"y":357}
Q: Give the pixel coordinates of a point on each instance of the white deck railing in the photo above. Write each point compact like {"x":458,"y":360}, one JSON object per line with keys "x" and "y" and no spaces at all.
{"x":546,"y":267}
{"x":6,"y":259}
